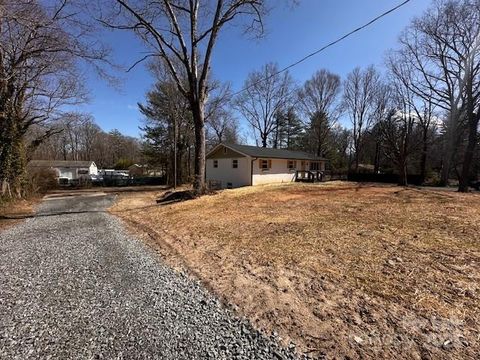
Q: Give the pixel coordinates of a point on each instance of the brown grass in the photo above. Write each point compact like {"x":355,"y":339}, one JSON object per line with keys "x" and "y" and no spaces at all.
{"x":341,"y":269}
{"x":14,"y":209}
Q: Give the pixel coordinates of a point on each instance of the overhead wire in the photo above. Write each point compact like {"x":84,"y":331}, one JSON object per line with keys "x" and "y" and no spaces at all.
{"x":306,"y":57}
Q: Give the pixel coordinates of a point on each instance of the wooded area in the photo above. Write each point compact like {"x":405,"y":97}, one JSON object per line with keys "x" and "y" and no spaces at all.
{"x":78,"y":137}
{"x":420,"y":116}
{"x":41,"y":47}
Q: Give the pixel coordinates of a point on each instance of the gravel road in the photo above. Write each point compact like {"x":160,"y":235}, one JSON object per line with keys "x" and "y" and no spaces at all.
{"x":78,"y":286}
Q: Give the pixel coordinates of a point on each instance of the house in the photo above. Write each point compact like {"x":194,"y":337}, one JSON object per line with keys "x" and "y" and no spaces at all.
{"x":66,"y":171}
{"x":232,"y":165}
{"x":144,"y":170}
{"x":106,"y":172}
{"x":137,"y":170}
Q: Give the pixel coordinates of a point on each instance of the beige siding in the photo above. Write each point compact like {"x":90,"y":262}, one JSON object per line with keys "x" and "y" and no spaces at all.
{"x":225,"y":173}
{"x":249,"y":173}
{"x":278,"y":172}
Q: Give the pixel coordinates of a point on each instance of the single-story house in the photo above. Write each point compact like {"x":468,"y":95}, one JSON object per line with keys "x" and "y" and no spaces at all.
{"x":137,"y":170}
{"x":66,"y":170}
{"x":144,"y":170}
{"x":232,"y":165}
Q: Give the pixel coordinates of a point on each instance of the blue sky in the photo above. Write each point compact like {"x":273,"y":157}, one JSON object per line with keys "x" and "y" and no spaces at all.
{"x":292,"y":32}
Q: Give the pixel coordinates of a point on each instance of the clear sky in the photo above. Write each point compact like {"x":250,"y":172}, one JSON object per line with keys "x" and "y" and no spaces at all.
{"x":292,"y":32}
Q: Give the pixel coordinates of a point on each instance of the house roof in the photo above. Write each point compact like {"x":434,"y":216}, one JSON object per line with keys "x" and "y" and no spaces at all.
{"x":144,"y":166}
{"x":261,"y":152}
{"x":60,"y":163}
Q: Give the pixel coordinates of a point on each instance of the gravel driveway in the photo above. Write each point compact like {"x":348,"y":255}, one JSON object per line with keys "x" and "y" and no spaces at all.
{"x":78,"y":286}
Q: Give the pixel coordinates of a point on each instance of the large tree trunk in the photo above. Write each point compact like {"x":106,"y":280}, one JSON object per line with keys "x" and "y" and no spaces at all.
{"x":446,"y":161}
{"x":12,"y":160}
{"x":319,"y":148}
{"x":402,"y":173}
{"x":376,"y":166}
{"x":449,"y":148}
{"x":264,"y":140}
{"x":189,"y":162}
{"x":423,"y":160}
{"x":319,"y":139}
{"x":277,"y":135}
{"x":357,"y":152}
{"x":357,"y":158}
{"x":469,"y":152}
{"x":199,"y":121}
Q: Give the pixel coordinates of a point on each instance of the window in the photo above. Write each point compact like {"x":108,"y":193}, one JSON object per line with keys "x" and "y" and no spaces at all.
{"x":235,"y":163}
{"x":314,"y":166}
{"x":215,"y":163}
{"x":264,"y":164}
{"x":82,"y":172}
{"x":291,"y":164}
{"x":229,"y":185}
{"x":225,"y":150}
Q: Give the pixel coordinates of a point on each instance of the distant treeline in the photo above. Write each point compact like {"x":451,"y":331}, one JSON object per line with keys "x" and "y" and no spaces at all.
{"x":78,"y":137}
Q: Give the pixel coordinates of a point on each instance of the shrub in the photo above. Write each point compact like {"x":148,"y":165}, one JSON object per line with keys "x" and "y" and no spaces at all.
{"x":41,"y":180}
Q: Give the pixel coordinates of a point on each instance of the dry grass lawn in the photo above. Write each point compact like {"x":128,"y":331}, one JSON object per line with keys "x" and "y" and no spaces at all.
{"x":340,"y":269}
{"x":10,"y":210}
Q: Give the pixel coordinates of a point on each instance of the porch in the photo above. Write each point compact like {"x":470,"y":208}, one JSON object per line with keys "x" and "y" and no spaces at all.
{"x":308,"y":176}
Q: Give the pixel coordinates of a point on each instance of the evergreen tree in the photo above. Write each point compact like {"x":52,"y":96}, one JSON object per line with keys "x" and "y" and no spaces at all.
{"x":288,"y":130}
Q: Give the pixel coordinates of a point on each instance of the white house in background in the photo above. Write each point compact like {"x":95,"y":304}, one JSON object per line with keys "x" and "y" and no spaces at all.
{"x":71,"y":170}
{"x":232,"y":165}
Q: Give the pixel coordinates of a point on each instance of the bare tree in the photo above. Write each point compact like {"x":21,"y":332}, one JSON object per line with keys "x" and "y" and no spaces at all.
{"x":441,"y":50}
{"x":397,"y":121}
{"x":427,"y":123}
{"x":320,"y":94}
{"x":168,"y":126}
{"x":318,"y":100}
{"x":184,"y":34}
{"x":77,"y":137}
{"x":89,"y":132}
{"x":360,"y":97}
{"x":39,"y":49}
{"x":266,"y":93}
{"x":222,"y":125}
{"x":340,"y":144}
{"x":423,"y":107}
{"x":467,"y":26}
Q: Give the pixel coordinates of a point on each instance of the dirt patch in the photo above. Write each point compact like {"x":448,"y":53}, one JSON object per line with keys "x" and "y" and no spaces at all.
{"x":340,"y":269}
{"x":12,"y":210}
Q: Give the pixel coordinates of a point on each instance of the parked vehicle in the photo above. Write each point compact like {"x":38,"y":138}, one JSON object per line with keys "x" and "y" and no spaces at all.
{"x":475,"y":184}
{"x":96,"y":179}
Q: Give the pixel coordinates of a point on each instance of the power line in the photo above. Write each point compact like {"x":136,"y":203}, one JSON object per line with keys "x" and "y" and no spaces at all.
{"x":326,"y":46}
